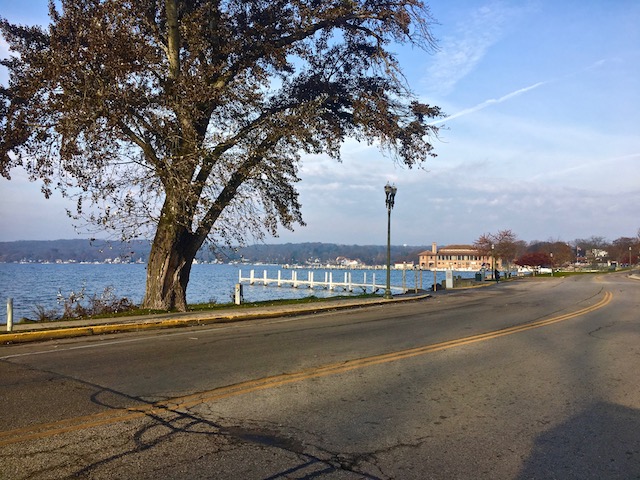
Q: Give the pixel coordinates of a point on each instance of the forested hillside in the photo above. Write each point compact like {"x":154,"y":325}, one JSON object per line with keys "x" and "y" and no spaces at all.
{"x":78,"y":250}
{"x":288,"y":253}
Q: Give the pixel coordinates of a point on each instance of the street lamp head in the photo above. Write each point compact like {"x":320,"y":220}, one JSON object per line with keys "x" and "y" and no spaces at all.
{"x":390,"y":193}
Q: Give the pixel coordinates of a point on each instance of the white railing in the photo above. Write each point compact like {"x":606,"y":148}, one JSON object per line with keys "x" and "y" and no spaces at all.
{"x":329,"y":283}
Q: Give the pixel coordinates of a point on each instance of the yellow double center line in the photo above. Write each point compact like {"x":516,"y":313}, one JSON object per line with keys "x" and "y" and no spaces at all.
{"x":179,"y":403}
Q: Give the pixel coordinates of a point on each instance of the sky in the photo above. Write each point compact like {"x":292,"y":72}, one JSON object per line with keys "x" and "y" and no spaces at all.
{"x":541,"y":135}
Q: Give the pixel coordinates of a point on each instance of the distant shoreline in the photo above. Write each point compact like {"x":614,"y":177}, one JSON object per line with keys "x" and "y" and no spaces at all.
{"x":306,"y":255}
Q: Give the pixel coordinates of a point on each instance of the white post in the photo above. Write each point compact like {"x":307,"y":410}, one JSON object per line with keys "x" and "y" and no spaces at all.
{"x":264,"y":278}
{"x":350,"y":285}
{"x":373,"y":283}
{"x":331,"y":281}
{"x":294,"y":278}
{"x":310,"y":276}
{"x":326,"y":279}
{"x":9,"y":314}
{"x":449,"y":278}
{"x":240,"y":276}
{"x":279,"y":279}
{"x":404,"y":280}
{"x":251,"y":278}
{"x":237,"y":296}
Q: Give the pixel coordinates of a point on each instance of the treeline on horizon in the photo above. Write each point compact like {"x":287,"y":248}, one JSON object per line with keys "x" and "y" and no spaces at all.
{"x":79,"y":250}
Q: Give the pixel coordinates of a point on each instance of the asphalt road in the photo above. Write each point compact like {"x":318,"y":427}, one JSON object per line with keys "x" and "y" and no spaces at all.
{"x":527,"y":379}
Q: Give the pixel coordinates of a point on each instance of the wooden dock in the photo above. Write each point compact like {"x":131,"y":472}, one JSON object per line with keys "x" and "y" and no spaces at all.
{"x":328,"y":283}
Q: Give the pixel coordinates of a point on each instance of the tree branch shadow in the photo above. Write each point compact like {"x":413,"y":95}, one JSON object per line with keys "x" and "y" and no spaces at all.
{"x":601,"y":442}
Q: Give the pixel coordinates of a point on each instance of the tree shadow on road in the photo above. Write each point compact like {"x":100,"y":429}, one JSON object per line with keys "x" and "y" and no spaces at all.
{"x":163,"y":429}
{"x":601,"y":442}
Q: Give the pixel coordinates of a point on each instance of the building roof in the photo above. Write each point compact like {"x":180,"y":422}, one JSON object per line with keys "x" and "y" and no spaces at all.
{"x":451,"y":249}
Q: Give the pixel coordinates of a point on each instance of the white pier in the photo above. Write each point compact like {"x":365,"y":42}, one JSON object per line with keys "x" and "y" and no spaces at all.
{"x":348,"y":285}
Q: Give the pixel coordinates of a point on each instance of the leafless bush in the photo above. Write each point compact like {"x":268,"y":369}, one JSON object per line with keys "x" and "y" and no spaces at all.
{"x":43,"y":314}
{"x":108,"y":302}
{"x":71,"y":306}
{"x":97,"y":304}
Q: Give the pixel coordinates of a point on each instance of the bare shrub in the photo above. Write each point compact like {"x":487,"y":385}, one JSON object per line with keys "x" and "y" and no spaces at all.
{"x":107,"y":302}
{"x":42,"y":314}
{"x":97,"y":304}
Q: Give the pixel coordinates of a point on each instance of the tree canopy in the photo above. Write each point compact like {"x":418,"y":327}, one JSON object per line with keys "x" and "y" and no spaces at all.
{"x":503,"y":244}
{"x":535,"y":259}
{"x":186,"y":119}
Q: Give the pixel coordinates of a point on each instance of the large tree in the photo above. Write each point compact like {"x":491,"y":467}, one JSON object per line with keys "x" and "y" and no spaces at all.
{"x":561,"y":253}
{"x":504,"y":245}
{"x":623,"y":249}
{"x":186,"y":119}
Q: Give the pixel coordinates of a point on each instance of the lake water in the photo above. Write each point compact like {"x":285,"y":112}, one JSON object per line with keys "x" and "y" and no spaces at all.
{"x":34,"y":284}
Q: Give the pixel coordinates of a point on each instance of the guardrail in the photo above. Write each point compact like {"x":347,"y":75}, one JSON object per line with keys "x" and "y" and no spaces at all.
{"x":329,"y":283}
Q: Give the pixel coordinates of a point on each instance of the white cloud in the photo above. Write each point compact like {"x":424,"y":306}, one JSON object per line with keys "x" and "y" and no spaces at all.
{"x":591,"y":168}
{"x":464,"y":48}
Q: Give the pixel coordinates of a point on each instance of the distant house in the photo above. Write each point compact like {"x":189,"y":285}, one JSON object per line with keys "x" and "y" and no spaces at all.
{"x":347,"y":262}
{"x":597,"y":254}
{"x":456,"y":257}
{"x":404,"y":266}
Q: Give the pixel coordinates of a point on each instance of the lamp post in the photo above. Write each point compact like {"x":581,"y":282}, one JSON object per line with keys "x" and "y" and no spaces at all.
{"x":390,"y":193}
{"x":629,"y":256}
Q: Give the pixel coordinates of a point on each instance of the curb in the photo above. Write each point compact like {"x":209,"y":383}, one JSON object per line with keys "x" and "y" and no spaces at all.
{"x":185,"y":321}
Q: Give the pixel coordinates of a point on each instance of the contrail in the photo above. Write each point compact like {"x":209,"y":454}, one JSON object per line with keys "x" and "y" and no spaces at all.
{"x":508,"y":96}
{"x":491,"y":101}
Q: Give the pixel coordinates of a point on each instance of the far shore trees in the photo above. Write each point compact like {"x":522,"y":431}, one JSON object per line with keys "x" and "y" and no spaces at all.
{"x":185,"y":120}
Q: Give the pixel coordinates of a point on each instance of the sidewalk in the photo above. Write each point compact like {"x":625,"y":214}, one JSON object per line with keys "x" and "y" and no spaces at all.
{"x":32,"y":332}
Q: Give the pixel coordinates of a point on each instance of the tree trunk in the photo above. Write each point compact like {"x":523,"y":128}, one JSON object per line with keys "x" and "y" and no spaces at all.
{"x":169,"y":267}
